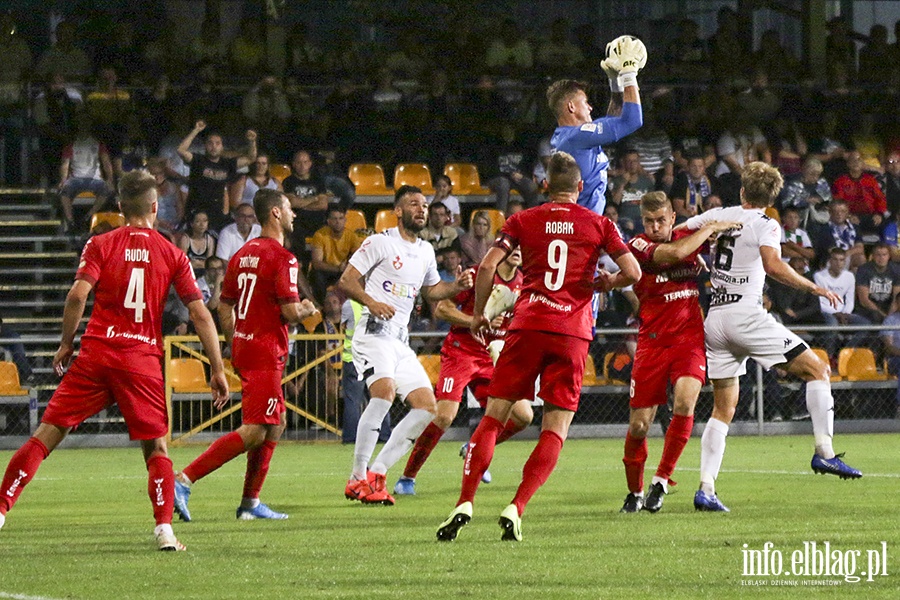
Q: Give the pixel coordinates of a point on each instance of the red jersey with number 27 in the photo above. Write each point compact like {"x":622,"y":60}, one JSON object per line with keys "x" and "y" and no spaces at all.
{"x":131,"y":270}
{"x":670,"y":306}
{"x":561,"y":243}
{"x":261,"y":276}
{"x":465,"y":301}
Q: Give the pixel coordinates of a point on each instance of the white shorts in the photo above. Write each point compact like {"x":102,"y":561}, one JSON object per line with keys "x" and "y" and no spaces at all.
{"x":377,"y":357}
{"x":736,"y":333}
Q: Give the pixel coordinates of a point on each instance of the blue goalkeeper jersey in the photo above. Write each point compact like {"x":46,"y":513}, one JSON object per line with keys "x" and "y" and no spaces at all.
{"x":584,"y":143}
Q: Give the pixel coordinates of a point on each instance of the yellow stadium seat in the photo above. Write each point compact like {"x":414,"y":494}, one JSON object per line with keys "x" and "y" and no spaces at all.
{"x":385,"y":219}
{"x":432,"y":364}
{"x":496,"y":216}
{"x":279,"y":172}
{"x":590,"y":373}
{"x":234,"y":380}
{"x":822,"y":354}
{"x":613,"y":357}
{"x":465,"y":179}
{"x":312,"y":321}
{"x":9,"y":380}
{"x":772,"y":213}
{"x":417,"y":174}
{"x":858,"y":364}
{"x":112,"y":219}
{"x":187,"y":376}
{"x":369,"y":179}
{"x":356,"y":220}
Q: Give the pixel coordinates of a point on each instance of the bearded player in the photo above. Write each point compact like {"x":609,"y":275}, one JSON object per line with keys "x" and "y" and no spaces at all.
{"x":670,"y":344}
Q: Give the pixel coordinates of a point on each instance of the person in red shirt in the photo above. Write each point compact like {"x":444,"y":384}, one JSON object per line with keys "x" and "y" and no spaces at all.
{"x":466,"y":362}
{"x":561,"y":243}
{"x":259,"y":300}
{"x":862,"y":193}
{"x":670,"y":344}
{"x":129,"y":270}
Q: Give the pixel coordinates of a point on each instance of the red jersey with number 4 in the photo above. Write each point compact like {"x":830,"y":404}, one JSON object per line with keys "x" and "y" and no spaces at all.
{"x":261,"y":276}
{"x":561,"y":243}
{"x":131,"y":270}
{"x":670,"y":307}
{"x":465,"y":300}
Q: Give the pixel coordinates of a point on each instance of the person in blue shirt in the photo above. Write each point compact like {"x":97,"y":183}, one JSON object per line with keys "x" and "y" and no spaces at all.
{"x":584,"y":138}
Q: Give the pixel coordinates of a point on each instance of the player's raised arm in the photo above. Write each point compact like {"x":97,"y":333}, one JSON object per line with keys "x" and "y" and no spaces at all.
{"x":448,"y":289}
{"x":678,"y":250}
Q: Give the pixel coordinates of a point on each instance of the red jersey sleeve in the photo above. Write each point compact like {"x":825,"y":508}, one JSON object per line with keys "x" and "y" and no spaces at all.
{"x":509,"y":235}
{"x":643,"y":250}
{"x":91,"y":262}
{"x":185,"y":282}
{"x":286,"y":273}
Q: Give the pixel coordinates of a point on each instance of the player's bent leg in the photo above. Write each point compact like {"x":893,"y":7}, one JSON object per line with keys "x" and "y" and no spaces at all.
{"x":635,"y":456}
{"x":820,"y":404}
{"x":425,"y":444}
{"x":223,"y":450}
{"x":687,"y":389}
{"x":25,"y":463}
{"x":712,"y":444}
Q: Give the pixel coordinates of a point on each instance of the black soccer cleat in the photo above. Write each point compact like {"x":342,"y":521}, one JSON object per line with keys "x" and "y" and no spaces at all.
{"x":633,"y":503}
{"x":654,"y":500}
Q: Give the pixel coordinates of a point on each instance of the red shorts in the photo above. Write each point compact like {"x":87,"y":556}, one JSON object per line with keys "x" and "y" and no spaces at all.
{"x":557,"y":358}
{"x":262,"y":401}
{"x":88,"y":387}
{"x":655,"y":367}
{"x":461,"y":367}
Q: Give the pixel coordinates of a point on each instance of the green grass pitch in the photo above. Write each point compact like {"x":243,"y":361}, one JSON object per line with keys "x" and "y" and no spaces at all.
{"x":82,"y":529}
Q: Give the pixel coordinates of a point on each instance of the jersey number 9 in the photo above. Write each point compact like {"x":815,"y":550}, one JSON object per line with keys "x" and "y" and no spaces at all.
{"x":557,"y":256}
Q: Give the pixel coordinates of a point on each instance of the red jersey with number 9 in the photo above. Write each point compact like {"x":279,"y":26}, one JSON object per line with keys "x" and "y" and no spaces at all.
{"x":131,"y":270}
{"x":561,"y":244}
{"x":261,"y":276}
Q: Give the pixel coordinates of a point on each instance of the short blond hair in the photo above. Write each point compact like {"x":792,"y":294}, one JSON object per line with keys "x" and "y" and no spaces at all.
{"x":761,"y":184}
{"x":135,"y":197}
{"x":653,"y":201}
{"x":563,"y":174}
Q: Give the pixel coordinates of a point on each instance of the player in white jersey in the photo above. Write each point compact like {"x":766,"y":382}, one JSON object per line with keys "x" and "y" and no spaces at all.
{"x":386,"y":275}
{"x":737,"y":327}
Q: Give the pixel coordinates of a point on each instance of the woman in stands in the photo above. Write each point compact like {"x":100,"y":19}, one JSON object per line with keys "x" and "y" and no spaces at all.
{"x":258,"y":178}
{"x":443,"y":193}
{"x":476,"y":243}
{"x":198,"y":242}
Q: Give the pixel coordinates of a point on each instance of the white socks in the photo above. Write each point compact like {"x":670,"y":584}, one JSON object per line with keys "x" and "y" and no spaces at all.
{"x":820,"y":404}
{"x":164,"y":528}
{"x":664,"y":482}
{"x":402,"y":439}
{"x":367,"y":435}
{"x":249,"y":503}
{"x":712,"y":449}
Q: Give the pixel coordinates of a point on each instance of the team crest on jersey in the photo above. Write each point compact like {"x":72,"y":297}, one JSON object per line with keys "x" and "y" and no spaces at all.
{"x":640,"y":243}
{"x":594,"y":127}
{"x":397,"y":263}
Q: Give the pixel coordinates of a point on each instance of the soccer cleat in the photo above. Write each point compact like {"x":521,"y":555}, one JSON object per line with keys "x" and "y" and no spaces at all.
{"x":406,"y":486}
{"x":654,"y":499}
{"x":834,"y":466}
{"x":182,"y":495}
{"x":260,"y":511}
{"x":633,"y":503}
{"x":708,"y":503}
{"x":169,"y":543}
{"x":458,"y":519}
{"x":486,"y":477}
{"x":502,"y":299}
{"x":377,"y":493}
{"x":511,"y":523}
{"x":356,"y":488}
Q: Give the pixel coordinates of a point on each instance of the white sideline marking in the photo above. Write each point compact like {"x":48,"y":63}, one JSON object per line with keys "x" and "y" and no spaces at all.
{"x":23,"y":597}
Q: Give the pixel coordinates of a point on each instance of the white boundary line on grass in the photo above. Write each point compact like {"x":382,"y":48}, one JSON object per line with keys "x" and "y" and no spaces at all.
{"x":24,"y":597}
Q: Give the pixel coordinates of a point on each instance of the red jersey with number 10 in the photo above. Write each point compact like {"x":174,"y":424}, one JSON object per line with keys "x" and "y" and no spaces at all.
{"x":261,"y":276}
{"x":561,"y":243}
{"x":131,"y":270}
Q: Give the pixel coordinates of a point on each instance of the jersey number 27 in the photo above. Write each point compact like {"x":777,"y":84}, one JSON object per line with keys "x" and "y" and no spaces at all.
{"x":246,"y":283}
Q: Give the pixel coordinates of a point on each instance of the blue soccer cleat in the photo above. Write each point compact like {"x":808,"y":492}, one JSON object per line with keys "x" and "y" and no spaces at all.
{"x":486,"y":476}
{"x":834,"y":466}
{"x":182,"y":495}
{"x":260,"y":511}
{"x":708,"y":502}
{"x":405,"y":486}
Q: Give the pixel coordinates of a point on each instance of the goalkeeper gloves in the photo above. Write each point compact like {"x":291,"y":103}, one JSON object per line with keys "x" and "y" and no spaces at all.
{"x":625,"y":55}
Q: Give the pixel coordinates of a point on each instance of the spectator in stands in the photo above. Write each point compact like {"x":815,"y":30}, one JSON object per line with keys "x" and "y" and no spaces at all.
{"x":788,"y":146}
{"x":877,"y":61}
{"x":840,"y":232}
{"x":740,"y":144}
{"x":808,"y":192}
{"x":795,"y":307}
{"x":827,"y":147}
{"x":864,"y":198}
{"x":305,"y":60}
{"x":515,"y":205}
{"x":443,"y":194}
{"x":266,"y":109}
{"x":433,"y":114}
{"x":775,"y":60}
{"x":451,"y":259}
{"x":840,"y":50}
{"x":891,"y":237}
{"x":665,"y":177}
{"x":248,"y":48}
{"x":334,"y":177}
{"x":539,"y":173}
{"x":626,"y":225}
{"x":891,"y":340}
{"x":155,"y":109}
{"x":794,"y":240}
{"x":759,"y":102}
{"x":17,"y":350}
{"x":867,"y":142}
{"x":111,"y":111}
{"x":685,"y":57}
{"x":208,"y":46}
{"x":652,"y":144}
{"x":627,"y":188}
{"x":170,"y":198}
{"x":836,"y":278}
{"x":877,"y":282}
{"x":509,"y":54}
{"x":438,"y":232}
{"x":55,"y":113}
{"x":234,"y":236}
{"x":256,"y":179}
{"x":198,"y":242}
{"x":309,"y":199}
{"x":332,"y":247}
{"x":17,"y":62}
{"x":64,"y":56}
{"x":211,"y":171}
{"x":85,"y":167}
{"x":890,"y":182}
{"x":558,"y":56}
{"x":210,"y":283}
{"x":506,"y":168}
{"x":692,"y":187}
{"x":477,"y":241}
{"x":204,"y":95}
{"x":728,"y":52}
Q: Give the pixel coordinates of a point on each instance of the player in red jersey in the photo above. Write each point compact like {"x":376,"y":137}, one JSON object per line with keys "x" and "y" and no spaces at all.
{"x":259,"y":299}
{"x":130,"y":270}
{"x":466,"y":362}
{"x":549,"y":334}
{"x":670,"y":343}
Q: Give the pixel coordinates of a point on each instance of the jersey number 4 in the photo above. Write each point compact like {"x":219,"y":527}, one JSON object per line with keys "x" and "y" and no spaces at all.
{"x":557,"y":257}
{"x":134,"y":295}
{"x":246,"y":283}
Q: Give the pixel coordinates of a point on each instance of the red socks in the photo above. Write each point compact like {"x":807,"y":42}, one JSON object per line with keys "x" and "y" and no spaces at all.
{"x":21,"y":469}
{"x":220,"y":452}
{"x":478,"y":458}
{"x":161,"y":488}
{"x":634,"y":459}
{"x":677,"y":436}
{"x":422,"y":450}
{"x":257,"y":468}
{"x":538,"y":468}
{"x":510,"y":429}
